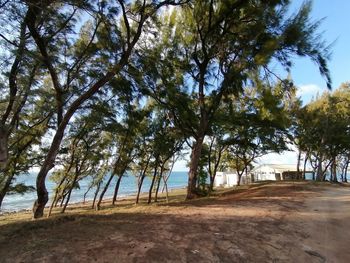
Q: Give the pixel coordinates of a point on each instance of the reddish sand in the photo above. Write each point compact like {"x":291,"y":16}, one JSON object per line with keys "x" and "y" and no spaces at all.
{"x":278,"y":222}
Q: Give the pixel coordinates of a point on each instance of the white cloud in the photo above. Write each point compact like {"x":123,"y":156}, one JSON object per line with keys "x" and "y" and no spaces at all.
{"x":308,"y":90}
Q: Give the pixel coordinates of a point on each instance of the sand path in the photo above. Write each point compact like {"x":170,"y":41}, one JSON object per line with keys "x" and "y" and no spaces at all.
{"x":328,"y":225}
{"x":279,"y":222}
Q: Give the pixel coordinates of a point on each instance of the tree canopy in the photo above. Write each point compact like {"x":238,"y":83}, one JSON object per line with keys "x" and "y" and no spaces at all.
{"x":94,"y":89}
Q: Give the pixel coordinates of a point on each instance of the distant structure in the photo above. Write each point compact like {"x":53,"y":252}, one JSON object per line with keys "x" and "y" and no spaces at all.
{"x":275,"y":172}
{"x":229,"y":179}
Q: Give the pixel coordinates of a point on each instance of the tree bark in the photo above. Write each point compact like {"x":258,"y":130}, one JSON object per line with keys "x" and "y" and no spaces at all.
{"x":239,"y":177}
{"x":96,"y":193}
{"x":98,"y":205}
{"x":193,"y":173}
{"x":334,"y":171}
{"x":158,"y":185}
{"x":319,"y":173}
{"x":142,"y":178}
{"x":3,"y":147}
{"x":55,"y":197}
{"x":5,"y":188}
{"x":346,"y":172}
{"x":152,"y":183}
{"x":85,"y":194}
{"x":116,"y":189}
{"x":304,"y":168}
{"x":298,"y":165}
{"x":70,"y":191}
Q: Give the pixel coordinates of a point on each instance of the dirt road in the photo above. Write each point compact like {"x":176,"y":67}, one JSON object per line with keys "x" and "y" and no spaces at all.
{"x":279,"y":222}
{"x":329,"y":225}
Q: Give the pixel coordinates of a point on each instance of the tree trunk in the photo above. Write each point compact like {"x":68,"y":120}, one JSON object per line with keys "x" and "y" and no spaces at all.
{"x":346,"y":172}
{"x":67,"y":200}
{"x":116,"y":189}
{"x":304,"y":167}
{"x":298,"y":166}
{"x":3,"y":147}
{"x":98,"y":205}
{"x":55,"y":197}
{"x":193,"y":173}
{"x":239,"y":178}
{"x":5,"y":188}
{"x":334,"y":171}
{"x":52,"y":203}
{"x":142,"y":178}
{"x":166,"y":189}
{"x":159,"y":179}
{"x":70,"y":191}
{"x":42,"y":194}
{"x":85,"y":194}
{"x":63,"y":198}
{"x":152,"y":183}
{"x":139,"y":188}
{"x":96,"y":193}
{"x":319,"y":173}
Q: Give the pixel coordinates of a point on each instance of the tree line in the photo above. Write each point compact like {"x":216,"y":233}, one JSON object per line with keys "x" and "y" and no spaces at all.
{"x":93,"y":89}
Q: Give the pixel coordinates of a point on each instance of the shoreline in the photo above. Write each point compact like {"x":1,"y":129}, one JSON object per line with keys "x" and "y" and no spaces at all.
{"x":88,"y":202}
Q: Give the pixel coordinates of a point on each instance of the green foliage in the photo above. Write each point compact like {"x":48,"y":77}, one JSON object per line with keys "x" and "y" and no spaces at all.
{"x":120,"y":85}
{"x":20,"y":188}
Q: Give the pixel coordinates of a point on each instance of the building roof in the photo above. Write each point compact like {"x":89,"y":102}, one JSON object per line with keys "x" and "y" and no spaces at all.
{"x":280,"y":167}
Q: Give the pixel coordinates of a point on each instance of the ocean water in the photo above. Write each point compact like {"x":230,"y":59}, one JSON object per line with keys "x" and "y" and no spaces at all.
{"x":128,"y":186}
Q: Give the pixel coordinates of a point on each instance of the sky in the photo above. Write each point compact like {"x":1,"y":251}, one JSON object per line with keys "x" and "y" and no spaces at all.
{"x":335,"y":28}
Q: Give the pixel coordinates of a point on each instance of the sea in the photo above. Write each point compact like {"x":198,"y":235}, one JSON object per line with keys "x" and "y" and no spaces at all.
{"x":128,"y":187}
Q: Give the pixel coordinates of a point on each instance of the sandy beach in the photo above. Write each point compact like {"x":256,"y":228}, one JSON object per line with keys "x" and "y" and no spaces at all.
{"x":273,"y":222}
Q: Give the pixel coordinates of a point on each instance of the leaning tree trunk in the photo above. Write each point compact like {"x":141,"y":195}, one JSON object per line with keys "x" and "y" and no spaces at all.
{"x":139,"y":188}
{"x":152,"y":183}
{"x":55,"y":197}
{"x":116,"y":189}
{"x":96,"y":193}
{"x":87,"y":191}
{"x":98,"y":205}
{"x":70,"y":191}
{"x":5,"y":188}
{"x":64,"y":195}
{"x":142,"y":178}
{"x":158,"y":185}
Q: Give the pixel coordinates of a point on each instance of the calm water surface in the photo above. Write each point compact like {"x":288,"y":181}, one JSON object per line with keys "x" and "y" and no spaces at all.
{"x":128,"y":186}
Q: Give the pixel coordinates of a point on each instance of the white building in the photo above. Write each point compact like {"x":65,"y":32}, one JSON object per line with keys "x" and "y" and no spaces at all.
{"x":227,"y":179}
{"x":274,"y":171}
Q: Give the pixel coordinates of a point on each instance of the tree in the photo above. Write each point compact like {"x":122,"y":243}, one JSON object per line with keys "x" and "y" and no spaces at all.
{"x":24,"y":89}
{"x":323,"y":132}
{"x":211,"y":53}
{"x":90,"y":65}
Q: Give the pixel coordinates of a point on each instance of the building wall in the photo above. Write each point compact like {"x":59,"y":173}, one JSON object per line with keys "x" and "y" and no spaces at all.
{"x":265,"y":173}
{"x":220,"y":179}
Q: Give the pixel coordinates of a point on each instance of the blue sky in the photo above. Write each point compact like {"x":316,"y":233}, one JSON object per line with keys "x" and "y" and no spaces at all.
{"x":334,"y":28}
